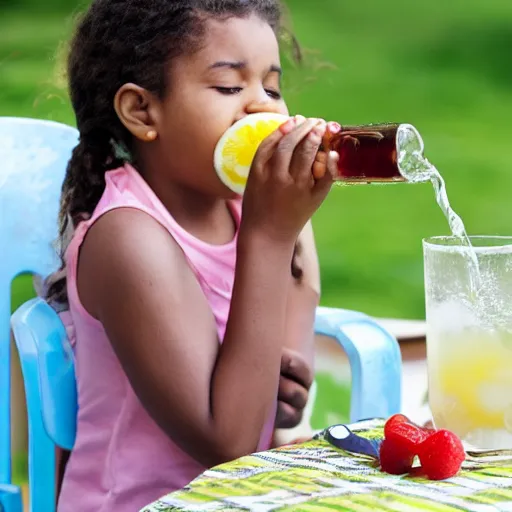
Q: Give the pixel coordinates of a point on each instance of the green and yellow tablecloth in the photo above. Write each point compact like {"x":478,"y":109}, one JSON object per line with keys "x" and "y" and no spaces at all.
{"x":315,"y":477}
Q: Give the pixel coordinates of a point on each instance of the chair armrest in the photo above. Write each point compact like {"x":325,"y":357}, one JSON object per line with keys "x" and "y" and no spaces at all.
{"x":10,"y":498}
{"x":41,"y":448}
{"x":375,"y":361}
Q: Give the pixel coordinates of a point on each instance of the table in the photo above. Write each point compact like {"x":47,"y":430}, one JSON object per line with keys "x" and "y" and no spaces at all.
{"x":316,"y":477}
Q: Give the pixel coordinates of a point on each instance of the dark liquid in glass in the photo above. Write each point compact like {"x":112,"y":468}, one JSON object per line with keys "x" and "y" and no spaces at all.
{"x":367,"y":153}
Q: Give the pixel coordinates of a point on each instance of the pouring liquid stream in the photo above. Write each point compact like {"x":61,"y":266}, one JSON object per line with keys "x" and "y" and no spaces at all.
{"x":417,"y":168}
{"x":457,"y":229}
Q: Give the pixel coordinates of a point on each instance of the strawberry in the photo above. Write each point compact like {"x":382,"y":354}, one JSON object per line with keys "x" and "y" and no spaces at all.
{"x":405,"y":433}
{"x":402,"y":439}
{"x":441,"y":455}
{"x":394,"y":420}
{"x":395,"y":458}
{"x":441,"y":452}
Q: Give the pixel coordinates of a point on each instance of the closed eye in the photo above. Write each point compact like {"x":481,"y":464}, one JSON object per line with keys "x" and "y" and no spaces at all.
{"x":228,"y":90}
{"x":275,"y":95}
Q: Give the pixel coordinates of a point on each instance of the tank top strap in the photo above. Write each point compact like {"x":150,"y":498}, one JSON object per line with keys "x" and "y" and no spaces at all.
{"x":213,"y":265}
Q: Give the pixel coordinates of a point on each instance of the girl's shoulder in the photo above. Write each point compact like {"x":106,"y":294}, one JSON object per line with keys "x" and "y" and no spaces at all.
{"x":124,"y":188}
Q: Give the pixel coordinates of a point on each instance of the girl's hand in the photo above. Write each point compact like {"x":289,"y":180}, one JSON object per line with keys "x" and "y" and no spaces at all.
{"x":282,"y":193}
{"x":322,"y":157}
{"x":294,"y":383}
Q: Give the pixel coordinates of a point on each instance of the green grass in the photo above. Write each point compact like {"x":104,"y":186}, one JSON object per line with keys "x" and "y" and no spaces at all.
{"x":332,"y":404}
{"x":442,"y":65}
{"x":20,"y":468}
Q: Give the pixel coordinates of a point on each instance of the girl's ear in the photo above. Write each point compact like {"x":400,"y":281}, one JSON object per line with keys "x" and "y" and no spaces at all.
{"x":137,"y":109}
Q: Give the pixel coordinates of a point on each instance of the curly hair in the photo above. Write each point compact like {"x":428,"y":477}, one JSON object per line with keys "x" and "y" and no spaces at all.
{"x":121,"y":41}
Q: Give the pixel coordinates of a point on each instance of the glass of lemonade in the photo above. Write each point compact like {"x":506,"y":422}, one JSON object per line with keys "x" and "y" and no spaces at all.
{"x":469,"y":338}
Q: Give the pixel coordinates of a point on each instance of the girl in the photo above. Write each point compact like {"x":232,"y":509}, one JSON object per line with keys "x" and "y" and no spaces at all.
{"x":193,"y":327}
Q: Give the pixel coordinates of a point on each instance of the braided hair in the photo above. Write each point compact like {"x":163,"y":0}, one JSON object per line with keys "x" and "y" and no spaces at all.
{"x":116,"y":42}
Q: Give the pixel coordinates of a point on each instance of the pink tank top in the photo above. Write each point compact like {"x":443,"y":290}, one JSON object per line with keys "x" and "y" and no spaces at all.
{"x":121,"y":460}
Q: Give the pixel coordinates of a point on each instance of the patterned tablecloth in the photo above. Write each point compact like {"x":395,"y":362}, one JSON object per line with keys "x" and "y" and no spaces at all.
{"x":316,"y":477}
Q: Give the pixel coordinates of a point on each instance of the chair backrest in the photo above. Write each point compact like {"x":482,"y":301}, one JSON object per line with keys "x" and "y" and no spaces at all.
{"x":375,"y":361}
{"x":33,"y":159}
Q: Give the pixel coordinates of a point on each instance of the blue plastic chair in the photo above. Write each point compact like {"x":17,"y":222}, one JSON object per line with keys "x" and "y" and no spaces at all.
{"x":33,"y":158}
{"x":10,"y":499}
{"x":46,"y":357}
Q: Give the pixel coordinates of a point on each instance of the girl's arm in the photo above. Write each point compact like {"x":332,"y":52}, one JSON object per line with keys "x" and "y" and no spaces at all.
{"x":297,"y":370}
{"x":304,"y":298}
{"x":211,"y":401}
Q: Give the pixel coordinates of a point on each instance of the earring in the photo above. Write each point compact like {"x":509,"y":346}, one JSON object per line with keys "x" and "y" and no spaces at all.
{"x":151,"y":135}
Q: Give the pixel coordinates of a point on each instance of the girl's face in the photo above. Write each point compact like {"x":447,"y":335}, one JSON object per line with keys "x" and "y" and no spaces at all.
{"x":236,"y":72}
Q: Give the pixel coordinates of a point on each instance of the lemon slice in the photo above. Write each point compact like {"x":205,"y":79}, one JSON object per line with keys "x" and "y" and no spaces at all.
{"x":236,"y":149}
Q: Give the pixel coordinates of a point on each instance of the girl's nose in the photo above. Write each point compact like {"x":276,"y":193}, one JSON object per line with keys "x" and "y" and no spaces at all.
{"x":266,"y":105}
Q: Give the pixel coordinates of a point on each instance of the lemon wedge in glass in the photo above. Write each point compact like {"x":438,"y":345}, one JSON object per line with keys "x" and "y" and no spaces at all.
{"x":237,"y":148}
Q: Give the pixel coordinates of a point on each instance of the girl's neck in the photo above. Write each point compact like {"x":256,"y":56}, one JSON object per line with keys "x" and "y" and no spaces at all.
{"x":206,"y":217}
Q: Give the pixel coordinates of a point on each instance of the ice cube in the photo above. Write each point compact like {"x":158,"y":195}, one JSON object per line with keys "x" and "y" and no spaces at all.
{"x":494,"y":397}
